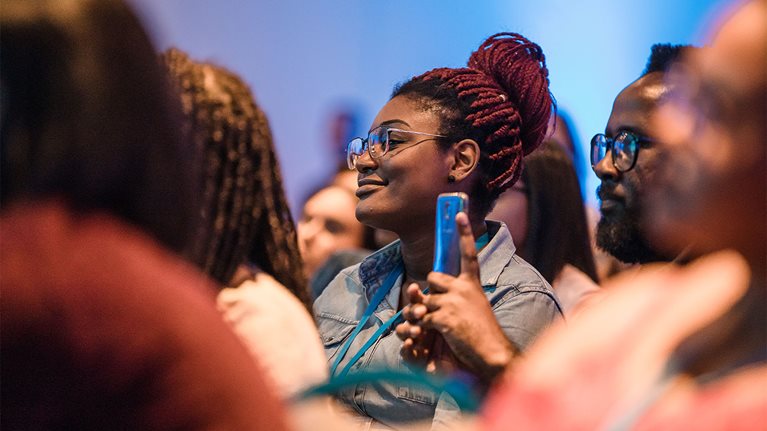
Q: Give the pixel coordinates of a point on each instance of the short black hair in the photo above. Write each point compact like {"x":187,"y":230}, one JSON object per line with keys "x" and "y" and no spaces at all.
{"x":663,"y":55}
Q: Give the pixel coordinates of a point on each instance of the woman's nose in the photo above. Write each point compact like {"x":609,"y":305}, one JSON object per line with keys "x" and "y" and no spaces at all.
{"x":365,"y":162}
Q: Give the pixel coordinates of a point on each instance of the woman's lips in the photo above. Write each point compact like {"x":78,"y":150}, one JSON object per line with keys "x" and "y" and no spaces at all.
{"x":366,"y":189}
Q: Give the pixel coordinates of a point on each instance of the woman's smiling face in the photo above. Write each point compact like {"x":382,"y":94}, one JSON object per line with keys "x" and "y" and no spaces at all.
{"x":398,"y":192}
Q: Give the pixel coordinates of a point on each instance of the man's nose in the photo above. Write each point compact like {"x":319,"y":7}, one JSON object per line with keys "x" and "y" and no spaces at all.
{"x":307,"y":230}
{"x":605,"y":168}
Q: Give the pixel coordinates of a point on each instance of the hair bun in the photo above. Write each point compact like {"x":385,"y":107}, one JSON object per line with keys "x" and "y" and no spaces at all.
{"x":518,"y":66}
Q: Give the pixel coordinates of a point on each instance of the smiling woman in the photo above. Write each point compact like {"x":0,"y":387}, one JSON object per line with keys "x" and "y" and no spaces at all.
{"x":448,"y":130}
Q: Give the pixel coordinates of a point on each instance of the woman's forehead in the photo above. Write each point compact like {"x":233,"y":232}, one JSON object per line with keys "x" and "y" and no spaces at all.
{"x":406,"y":113}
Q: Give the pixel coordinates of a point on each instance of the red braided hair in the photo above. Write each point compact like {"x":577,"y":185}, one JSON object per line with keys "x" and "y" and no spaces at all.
{"x":505,"y":94}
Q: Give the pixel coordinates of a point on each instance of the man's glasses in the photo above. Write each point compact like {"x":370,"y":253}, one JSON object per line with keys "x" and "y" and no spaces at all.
{"x":623,"y":148}
{"x":378,"y":143}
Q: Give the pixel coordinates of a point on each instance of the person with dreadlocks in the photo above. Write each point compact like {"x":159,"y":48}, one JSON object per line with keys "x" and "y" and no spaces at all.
{"x":448,"y":130}
{"x":247,"y":239}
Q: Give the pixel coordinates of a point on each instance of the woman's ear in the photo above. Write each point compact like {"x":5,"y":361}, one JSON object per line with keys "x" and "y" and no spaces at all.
{"x":465,"y":159}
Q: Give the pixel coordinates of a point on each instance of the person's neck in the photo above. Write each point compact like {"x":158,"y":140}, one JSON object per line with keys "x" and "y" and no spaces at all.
{"x":418,"y":255}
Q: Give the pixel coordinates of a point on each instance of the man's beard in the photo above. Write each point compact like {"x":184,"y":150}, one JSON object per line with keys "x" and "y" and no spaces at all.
{"x":620,"y":234}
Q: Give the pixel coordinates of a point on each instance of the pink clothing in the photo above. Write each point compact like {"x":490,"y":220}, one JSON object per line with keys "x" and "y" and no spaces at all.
{"x":574,"y":289}
{"x":607,"y":369}
{"x":104,"y":329}
{"x":278,"y":331}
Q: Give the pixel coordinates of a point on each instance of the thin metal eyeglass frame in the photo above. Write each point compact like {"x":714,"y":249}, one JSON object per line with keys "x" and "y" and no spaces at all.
{"x":351,"y":158}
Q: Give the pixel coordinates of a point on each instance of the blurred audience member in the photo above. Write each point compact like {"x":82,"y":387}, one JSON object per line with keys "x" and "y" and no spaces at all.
{"x":325,"y":245}
{"x":103,"y":325}
{"x":246,"y":219}
{"x":247,"y":239}
{"x":545,"y":214}
{"x":563,"y":133}
{"x":677,"y":348}
{"x":328,"y":224}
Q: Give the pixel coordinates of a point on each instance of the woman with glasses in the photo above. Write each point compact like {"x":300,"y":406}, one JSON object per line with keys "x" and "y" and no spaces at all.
{"x":448,"y":130}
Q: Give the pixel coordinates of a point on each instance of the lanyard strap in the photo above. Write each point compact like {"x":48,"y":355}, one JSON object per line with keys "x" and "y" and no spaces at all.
{"x":380,"y":294}
{"x":383,"y":328}
{"x":372,"y":306}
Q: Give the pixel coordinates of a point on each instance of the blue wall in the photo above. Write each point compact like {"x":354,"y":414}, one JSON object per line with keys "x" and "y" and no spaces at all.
{"x":303,"y":59}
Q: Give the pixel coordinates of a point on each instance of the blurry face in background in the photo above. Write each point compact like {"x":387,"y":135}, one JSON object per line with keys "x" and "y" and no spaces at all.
{"x":711,"y":189}
{"x":327,"y":225}
{"x":512,"y":208}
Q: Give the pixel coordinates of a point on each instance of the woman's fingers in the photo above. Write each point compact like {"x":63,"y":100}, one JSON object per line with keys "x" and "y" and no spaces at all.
{"x":469,"y":263}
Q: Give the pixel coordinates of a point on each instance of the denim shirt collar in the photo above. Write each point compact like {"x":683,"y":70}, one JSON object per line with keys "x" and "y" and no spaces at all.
{"x":492,"y":260}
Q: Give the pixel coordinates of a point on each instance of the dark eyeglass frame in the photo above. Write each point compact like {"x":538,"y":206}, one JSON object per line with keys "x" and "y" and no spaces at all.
{"x":363,"y":144}
{"x":624,"y":149}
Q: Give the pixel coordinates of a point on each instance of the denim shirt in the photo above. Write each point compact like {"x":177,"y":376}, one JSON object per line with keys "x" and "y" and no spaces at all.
{"x":522,"y":301}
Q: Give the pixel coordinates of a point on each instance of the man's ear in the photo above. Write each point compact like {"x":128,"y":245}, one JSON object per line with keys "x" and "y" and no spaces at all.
{"x":465,"y":159}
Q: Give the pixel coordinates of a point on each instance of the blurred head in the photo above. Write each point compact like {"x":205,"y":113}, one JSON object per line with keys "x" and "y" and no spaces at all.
{"x":624,"y":173}
{"x":328,"y":225}
{"x":562,"y":131}
{"x":451,"y":130}
{"x":86,"y":117}
{"x":245,"y":216}
{"x":711,"y":191}
{"x":545,"y":214}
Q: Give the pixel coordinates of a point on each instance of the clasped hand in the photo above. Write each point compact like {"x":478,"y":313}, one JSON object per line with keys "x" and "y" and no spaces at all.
{"x":453,"y":326}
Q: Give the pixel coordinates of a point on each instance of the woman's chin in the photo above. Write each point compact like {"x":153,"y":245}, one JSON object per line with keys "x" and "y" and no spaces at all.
{"x":370,"y":216}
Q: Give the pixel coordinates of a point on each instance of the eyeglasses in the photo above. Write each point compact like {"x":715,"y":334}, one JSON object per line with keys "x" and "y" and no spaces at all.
{"x":623,"y":148}
{"x":378,"y":143}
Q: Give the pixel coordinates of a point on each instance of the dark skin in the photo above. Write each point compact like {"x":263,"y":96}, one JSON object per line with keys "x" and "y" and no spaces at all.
{"x":710,"y":190}
{"x":407,"y":180}
{"x":621,"y":231}
{"x":402,"y":182}
{"x":457,"y":309}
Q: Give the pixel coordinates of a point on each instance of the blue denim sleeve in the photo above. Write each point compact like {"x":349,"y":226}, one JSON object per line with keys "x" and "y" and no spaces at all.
{"x":523,"y":314}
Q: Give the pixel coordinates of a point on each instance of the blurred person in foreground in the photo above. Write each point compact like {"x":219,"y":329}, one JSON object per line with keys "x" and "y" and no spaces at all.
{"x":104,"y":326}
{"x":247,"y":240}
{"x":677,"y":348}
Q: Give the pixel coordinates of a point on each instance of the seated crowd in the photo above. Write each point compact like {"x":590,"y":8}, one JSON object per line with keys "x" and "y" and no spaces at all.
{"x":153,"y":276}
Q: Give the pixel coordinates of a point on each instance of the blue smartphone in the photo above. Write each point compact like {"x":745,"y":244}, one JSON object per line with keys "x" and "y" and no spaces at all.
{"x":447,"y":252}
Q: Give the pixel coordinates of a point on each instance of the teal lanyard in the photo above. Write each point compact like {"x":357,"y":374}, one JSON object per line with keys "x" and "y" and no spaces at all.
{"x":380,"y":294}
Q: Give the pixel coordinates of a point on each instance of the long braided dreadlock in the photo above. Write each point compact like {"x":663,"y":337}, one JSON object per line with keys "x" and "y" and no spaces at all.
{"x":501,"y":100}
{"x":245,"y":216}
